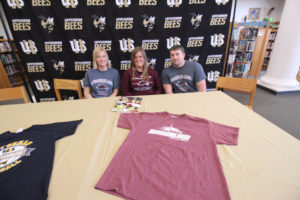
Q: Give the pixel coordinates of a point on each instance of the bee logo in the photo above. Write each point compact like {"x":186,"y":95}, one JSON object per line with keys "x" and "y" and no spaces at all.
{"x":148,"y":22}
{"x":196,"y":20}
{"x":58,"y":66}
{"x":47,"y":23}
{"x":99,"y":22}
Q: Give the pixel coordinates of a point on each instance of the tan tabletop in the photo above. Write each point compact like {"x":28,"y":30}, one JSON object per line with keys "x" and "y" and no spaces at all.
{"x":264,"y":165}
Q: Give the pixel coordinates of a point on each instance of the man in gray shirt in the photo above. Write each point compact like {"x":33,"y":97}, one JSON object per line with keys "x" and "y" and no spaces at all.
{"x":183,"y":76}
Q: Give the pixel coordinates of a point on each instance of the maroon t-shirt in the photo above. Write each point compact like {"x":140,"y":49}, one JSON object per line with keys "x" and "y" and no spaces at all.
{"x":169,"y":157}
{"x":131,"y":86}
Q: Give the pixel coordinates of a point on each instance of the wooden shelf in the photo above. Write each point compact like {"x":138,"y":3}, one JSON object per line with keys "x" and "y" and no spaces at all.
{"x":11,"y":63}
{"x":8,"y":80}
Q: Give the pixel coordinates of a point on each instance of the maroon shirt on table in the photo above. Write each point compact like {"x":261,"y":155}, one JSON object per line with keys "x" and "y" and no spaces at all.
{"x":136,"y":86}
{"x":169,"y":157}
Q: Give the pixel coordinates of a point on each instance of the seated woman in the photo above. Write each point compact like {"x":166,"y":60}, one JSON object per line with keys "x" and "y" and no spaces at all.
{"x":102,"y":80}
{"x":139,"y":79}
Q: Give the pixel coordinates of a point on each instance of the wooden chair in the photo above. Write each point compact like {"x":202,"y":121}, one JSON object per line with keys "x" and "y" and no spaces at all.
{"x":243,"y":85}
{"x":67,"y":84}
{"x":13,"y":93}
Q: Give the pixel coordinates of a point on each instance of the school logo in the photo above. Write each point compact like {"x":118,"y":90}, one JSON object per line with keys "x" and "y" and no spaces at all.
{"x":42,"y":85}
{"x":11,"y":154}
{"x":147,"y":2}
{"x":172,"y":22}
{"x":126,"y":45}
{"x":194,"y":58}
{"x":105,"y":44}
{"x":196,"y":20}
{"x":212,"y":76}
{"x":95,"y":2}
{"x":124,"y":64}
{"x":152,"y":62}
{"x":99,"y":22}
{"x":78,"y":46}
{"x":82,"y":66}
{"x":213,"y":59}
{"x":73,"y":24}
{"x":172,"y":3}
{"x":195,"y":41}
{"x":121,"y":3}
{"x":36,"y":3}
{"x":217,"y":40}
{"x":47,"y":23}
{"x":58,"y":66}
{"x":150,"y":44}
{"x":170,"y":132}
{"x":124,"y":23}
{"x":197,"y":2}
{"x":224,"y":2}
{"x":69,"y":3}
{"x":15,"y":3}
{"x":171,"y":41}
{"x":21,"y":24}
{"x":167,"y":62}
{"x":217,"y":20}
{"x":28,"y":47}
{"x":148,"y":22}
{"x":35,"y":67}
{"x":53,"y":46}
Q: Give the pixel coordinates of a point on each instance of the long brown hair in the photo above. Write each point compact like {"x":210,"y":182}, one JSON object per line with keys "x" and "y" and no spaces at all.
{"x":146,"y":65}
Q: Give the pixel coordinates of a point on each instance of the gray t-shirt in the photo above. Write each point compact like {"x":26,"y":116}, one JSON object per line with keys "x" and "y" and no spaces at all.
{"x":102,"y":83}
{"x":184,"y":79}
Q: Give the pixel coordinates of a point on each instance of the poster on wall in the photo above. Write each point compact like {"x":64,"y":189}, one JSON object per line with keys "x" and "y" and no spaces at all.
{"x":55,"y":39}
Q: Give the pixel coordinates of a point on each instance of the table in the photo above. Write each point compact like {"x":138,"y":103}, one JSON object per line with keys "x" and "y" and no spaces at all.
{"x":264,"y":165}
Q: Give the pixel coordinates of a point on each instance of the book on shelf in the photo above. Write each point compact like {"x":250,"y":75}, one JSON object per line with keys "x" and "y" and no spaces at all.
{"x":128,"y":104}
{"x":250,"y":45}
{"x":4,"y":47}
{"x":231,"y":58}
{"x":270,"y":45}
{"x":241,"y":70}
{"x":235,"y":34}
{"x":248,"y":34}
{"x":243,"y":56}
{"x":273,"y":36}
{"x":242,"y":45}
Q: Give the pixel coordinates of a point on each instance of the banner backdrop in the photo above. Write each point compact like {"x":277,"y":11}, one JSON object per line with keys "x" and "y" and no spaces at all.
{"x":55,"y":39}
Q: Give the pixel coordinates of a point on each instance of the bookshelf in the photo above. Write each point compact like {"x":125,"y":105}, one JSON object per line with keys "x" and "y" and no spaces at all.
{"x":269,"y":49}
{"x":10,"y":74}
{"x":248,"y":47}
{"x":241,"y":50}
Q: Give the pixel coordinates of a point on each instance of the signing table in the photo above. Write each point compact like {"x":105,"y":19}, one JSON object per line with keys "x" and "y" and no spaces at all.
{"x":264,"y":165}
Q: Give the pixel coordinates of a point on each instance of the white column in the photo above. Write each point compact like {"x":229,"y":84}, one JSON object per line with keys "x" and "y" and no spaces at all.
{"x":285,"y":58}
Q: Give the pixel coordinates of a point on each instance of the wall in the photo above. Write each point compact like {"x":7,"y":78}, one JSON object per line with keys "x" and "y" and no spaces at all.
{"x":243,"y":6}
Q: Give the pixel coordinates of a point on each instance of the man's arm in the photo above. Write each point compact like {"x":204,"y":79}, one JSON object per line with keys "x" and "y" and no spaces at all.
{"x":168,"y":88}
{"x":201,"y":85}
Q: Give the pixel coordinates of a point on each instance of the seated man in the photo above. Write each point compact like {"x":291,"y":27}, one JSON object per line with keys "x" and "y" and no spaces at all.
{"x":183,"y":76}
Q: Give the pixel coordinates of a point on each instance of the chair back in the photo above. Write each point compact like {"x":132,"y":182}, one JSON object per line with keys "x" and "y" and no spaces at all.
{"x":13,"y":93}
{"x":243,"y":85}
{"x":67,"y":84}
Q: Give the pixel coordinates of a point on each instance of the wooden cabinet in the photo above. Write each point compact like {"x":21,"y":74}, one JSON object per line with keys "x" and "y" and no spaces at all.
{"x":10,"y":72}
{"x":247,"y":50}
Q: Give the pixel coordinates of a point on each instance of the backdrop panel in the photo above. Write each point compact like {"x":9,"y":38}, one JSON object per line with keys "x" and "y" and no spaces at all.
{"x":55,"y":39}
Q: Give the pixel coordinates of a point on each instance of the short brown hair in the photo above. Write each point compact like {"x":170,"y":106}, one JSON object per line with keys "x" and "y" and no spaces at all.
{"x":177,"y":47}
